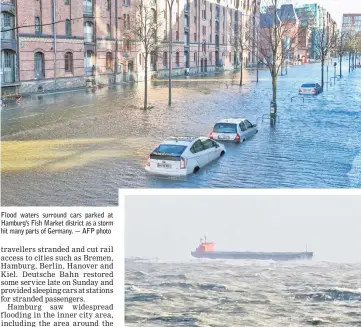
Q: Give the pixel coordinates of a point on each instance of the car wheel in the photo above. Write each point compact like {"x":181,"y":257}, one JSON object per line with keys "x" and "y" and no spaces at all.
{"x":196,"y":170}
{"x":222,"y":153}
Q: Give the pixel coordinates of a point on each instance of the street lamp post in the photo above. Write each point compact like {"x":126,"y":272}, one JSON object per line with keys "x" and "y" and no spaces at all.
{"x":116,"y":43}
{"x":54,"y":33}
{"x":257,"y":57}
{"x":170,"y":6}
{"x":257,"y":68}
{"x":327,"y":75}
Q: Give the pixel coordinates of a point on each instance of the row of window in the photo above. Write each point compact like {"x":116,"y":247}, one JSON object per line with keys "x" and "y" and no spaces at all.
{"x":165,"y":57}
{"x":90,"y":3}
{"x":88,"y":28}
{"x":39,"y":63}
{"x":210,"y":38}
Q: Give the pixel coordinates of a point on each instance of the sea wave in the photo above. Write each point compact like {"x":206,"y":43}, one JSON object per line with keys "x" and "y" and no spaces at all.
{"x":219,"y":294}
{"x":332,"y":294}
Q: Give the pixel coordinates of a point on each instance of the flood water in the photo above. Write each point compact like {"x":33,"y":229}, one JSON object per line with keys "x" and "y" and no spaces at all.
{"x":78,"y":148}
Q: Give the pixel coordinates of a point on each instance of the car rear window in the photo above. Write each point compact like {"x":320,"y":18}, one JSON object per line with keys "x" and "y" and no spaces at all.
{"x":170,"y":149}
{"x":308,"y":85}
{"x":225,"y":128}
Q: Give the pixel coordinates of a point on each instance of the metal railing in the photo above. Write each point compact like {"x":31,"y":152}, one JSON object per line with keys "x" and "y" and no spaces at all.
{"x":268,"y":117}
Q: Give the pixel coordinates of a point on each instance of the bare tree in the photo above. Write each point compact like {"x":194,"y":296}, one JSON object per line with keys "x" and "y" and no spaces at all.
{"x":354,"y":46}
{"x":237,"y":42}
{"x":358,"y":48}
{"x":146,"y":29}
{"x":341,"y":46}
{"x":325,"y":42}
{"x":277,"y":40}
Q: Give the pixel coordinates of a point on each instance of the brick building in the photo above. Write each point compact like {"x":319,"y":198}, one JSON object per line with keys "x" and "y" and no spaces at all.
{"x":9,"y":76}
{"x":62,"y":44}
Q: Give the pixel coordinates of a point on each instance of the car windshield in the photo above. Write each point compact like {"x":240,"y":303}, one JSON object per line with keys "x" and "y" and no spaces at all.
{"x":171,"y":149}
{"x":308,"y":85}
{"x":225,"y":128}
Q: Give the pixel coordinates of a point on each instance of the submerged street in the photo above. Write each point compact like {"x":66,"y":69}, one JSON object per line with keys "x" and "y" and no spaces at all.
{"x":78,"y":148}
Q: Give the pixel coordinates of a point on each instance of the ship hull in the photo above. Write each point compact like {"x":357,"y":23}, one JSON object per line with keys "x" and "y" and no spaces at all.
{"x":277,"y":256}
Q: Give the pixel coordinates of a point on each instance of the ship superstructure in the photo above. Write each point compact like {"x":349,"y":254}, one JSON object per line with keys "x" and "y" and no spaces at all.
{"x":207,"y":250}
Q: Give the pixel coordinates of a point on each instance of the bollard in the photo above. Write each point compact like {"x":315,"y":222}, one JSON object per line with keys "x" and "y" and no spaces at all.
{"x":273,"y":113}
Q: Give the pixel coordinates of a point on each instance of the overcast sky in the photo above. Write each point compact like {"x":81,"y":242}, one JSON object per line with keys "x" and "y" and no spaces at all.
{"x":169,"y":227}
{"x":338,"y":7}
{"x":335,"y":7}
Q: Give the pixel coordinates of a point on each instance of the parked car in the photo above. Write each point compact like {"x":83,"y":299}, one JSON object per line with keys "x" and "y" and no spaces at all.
{"x":310,"y":89}
{"x":233,"y":129}
{"x":180,"y":156}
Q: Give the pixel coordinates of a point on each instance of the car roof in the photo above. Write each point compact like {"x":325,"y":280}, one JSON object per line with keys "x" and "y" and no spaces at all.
{"x":232,"y":120}
{"x":180,"y":140}
{"x":309,"y":83}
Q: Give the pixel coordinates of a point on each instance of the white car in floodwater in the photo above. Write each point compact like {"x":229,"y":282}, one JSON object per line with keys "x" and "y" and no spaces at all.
{"x":233,"y":129}
{"x":180,"y":156}
{"x":310,"y":89}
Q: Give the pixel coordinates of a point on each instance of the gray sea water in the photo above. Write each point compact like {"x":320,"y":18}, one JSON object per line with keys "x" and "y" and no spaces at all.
{"x":212,"y":293}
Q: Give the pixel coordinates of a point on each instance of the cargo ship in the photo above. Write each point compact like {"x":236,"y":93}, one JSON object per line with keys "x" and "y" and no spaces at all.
{"x":207,"y":250}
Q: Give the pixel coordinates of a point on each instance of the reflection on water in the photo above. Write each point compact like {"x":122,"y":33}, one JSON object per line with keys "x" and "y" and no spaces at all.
{"x":78,"y":148}
{"x":54,"y":155}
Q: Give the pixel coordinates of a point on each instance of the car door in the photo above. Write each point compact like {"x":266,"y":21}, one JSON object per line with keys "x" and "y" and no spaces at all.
{"x":209,"y":149}
{"x":243,"y":129}
{"x":199,"y":153}
{"x":250,"y":128}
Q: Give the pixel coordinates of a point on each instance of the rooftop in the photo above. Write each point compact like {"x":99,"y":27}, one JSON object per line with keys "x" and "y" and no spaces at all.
{"x":232,"y":120}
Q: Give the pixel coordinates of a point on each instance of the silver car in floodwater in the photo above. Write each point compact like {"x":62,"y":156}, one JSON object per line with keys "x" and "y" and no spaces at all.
{"x":310,"y":89}
{"x":233,"y":129}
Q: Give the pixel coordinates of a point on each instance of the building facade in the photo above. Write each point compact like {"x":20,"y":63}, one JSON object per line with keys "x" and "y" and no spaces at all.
{"x":61,"y":44}
{"x":351,"y":22}
{"x":9,"y":76}
{"x":301,"y":25}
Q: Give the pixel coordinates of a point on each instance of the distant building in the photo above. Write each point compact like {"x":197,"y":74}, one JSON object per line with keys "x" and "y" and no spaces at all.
{"x":312,"y":17}
{"x":303,"y":24}
{"x":351,"y":22}
{"x":285,"y":15}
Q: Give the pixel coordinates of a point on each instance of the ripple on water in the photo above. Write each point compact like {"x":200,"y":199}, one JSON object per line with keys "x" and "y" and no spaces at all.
{"x":283,"y":300}
{"x":316,"y":144}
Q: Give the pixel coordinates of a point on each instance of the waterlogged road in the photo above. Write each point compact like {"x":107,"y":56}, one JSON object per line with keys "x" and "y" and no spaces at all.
{"x":78,"y":148}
